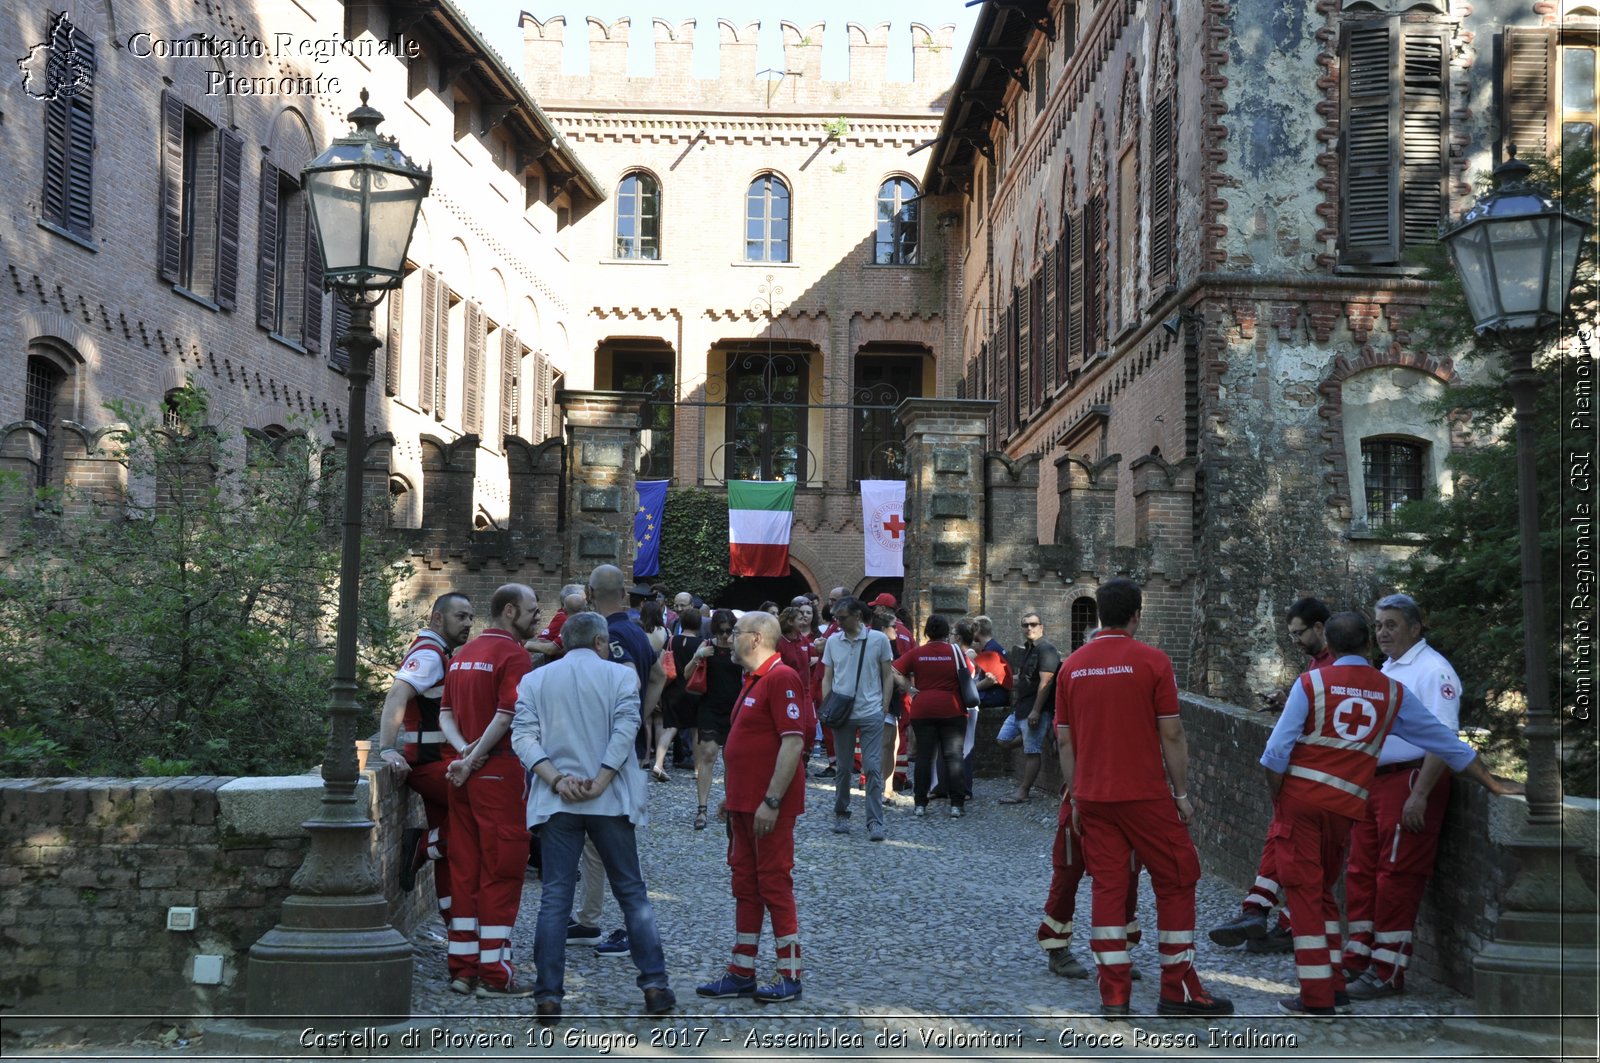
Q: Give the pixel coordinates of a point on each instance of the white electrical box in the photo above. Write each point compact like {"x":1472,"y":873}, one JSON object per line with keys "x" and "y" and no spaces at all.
{"x":208,"y":970}
{"x":182,"y":918}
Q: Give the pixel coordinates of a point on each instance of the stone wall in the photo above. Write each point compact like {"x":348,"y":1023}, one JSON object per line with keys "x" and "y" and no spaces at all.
{"x":91,"y":867}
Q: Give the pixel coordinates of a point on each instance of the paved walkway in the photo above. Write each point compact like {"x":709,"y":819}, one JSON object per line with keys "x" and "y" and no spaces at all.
{"x":921,"y":945}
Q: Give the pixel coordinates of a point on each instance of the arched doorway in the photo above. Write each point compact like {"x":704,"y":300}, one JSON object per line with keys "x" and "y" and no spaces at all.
{"x":748,"y":592}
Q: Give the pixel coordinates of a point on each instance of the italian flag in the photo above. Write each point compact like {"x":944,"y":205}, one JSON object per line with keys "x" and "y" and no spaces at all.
{"x":759,"y":518}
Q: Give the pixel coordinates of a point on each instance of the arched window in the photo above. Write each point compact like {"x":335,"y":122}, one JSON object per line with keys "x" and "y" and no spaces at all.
{"x":898,"y":229}
{"x":1392,"y":471}
{"x":47,"y":399}
{"x":1084,"y":619}
{"x":639,"y":217}
{"x":766,"y":220}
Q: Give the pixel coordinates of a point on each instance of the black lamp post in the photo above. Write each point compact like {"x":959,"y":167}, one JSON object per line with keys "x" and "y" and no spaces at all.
{"x":333,"y":951}
{"x":1517,"y":252}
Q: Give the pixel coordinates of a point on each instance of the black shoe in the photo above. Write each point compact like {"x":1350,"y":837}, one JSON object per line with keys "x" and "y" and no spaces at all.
{"x":1276,"y":940}
{"x":549,"y":1012}
{"x":1297,"y":1007}
{"x":413,"y":855}
{"x":659,"y":1001}
{"x":1248,"y":927}
{"x":830,"y":772}
{"x":1115,"y":1012}
{"x":511,"y":989}
{"x":576,"y":931}
{"x":1203,"y":1006}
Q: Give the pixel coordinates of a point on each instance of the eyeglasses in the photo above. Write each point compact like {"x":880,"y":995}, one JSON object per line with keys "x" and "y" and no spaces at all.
{"x":1033,"y":623}
{"x":1295,"y":633}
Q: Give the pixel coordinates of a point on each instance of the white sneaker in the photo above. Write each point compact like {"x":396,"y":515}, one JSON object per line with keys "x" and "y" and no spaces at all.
{"x":955,"y":812}
{"x":919,"y":811}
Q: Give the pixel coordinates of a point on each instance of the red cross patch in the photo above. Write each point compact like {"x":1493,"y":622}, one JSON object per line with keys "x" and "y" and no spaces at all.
{"x":1354,"y":719}
{"x":1447,"y":691}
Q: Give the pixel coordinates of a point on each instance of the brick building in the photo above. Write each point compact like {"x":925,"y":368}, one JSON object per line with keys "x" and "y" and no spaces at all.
{"x":1184,"y":229}
{"x":764,"y":267}
{"x":155,"y":230}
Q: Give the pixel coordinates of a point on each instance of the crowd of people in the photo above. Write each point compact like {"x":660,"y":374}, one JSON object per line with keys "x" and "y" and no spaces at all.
{"x":555,"y":733}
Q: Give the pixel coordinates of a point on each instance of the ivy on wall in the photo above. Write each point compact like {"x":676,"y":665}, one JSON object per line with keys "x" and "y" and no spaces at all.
{"x":694,"y":542}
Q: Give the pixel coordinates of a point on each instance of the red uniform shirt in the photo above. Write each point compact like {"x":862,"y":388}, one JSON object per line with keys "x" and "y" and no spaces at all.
{"x":552,"y":633}
{"x":1111,"y":692}
{"x":482,"y":681}
{"x":933,"y":666}
{"x":796,"y":653}
{"x":771,"y":705}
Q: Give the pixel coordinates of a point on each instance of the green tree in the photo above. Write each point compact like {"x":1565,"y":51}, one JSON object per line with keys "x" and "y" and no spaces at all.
{"x":1466,"y":569}
{"x":186,"y":629}
{"x":694,"y":542}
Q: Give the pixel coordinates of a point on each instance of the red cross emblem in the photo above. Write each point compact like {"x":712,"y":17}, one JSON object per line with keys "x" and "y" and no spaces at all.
{"x":1447,"y":692}
{"x":1354,"y":719}
{"x":894,"y":525}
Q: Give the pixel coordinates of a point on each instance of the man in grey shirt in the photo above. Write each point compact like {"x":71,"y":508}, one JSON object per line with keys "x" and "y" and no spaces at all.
{"x":574,"y":728}
{"x":858,"y":660}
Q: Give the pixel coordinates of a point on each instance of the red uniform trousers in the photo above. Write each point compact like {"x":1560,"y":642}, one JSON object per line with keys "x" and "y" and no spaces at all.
{"x":1114,"y":832}
{"x":488,"y":852}
{"x":1265,"y":892}
{"x":429,"y":783}
{"x":1066,"y":872}
{"x":1307,"y":843}
{"x":1388,"y":870}
{"x":763,"y":884}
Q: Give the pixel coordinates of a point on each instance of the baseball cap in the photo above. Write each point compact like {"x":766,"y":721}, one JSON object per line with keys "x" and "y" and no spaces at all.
{"x":885,"y":601}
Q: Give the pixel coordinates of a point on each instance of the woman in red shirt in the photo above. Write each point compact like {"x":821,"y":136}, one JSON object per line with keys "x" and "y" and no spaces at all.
{"x":938,"y":720}
{"x":795,"y":649}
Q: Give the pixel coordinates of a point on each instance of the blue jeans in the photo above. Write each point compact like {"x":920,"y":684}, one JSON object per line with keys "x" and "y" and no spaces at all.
{"x":613,"y":838}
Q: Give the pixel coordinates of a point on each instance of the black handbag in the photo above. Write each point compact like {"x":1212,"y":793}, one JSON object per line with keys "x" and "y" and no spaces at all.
{"x":966,"y":682}
{"x":837,"y":708}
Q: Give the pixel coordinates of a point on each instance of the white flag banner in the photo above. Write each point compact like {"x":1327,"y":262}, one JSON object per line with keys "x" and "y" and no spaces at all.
{"x":883,"y":524}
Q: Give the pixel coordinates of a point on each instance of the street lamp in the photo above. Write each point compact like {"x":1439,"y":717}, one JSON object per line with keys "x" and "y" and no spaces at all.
{"x":333,"y":951}
{"x":1517,"y":253}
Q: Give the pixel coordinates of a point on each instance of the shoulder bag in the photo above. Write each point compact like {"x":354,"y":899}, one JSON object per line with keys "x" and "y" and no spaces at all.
{"x":970,"y":697}
{"x":837,"y":708}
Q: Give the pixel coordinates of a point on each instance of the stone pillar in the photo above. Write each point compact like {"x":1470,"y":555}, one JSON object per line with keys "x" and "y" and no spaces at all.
{"x":1086,"y":520}
{"x":449,"y":475}
{"x":945,"y":549}
{"x":1163,"y":523}
{"x":534,"y":470}
{"x":602,"y":456}
{"x":375,"y":504}
{"x":96,"y":481}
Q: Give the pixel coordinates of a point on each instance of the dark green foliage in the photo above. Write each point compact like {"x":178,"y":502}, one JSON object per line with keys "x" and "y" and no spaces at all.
{"x":1466,"y":572}
{"x":694,"y":542}
{"x":190,"y":630}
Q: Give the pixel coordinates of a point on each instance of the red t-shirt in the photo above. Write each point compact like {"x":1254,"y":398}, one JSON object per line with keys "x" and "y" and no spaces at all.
{"x":771,"y":704}
{"x":933,"y":666}
{"x":796,"y":653}
{"x":1111,"y":692}
{"x":482,"y":681}
{"x":996,"y":665}
{"x":552,"y":633}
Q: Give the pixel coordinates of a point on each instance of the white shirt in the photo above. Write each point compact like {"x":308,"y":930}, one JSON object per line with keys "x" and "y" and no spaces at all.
{"x":1423,"y":671}
{"x":423,"y":669}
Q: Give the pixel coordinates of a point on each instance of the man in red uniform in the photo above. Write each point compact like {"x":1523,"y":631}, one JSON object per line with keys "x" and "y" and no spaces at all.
{"x":1304,"y":621}
{"x":488,"y":815}
{"x":1121,"y":741}
{"x":413,"y":745}
{"x":765,"y":792}
{"x":1321,"y":760}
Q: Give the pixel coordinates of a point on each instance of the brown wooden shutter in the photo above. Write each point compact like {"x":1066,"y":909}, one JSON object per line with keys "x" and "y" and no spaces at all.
{"x":1004,"y":359}
{"x":1024,"y":327}
{"x":312,"y":336}
{"x":267,"y":258}
{"x":338,"y":356}
{"x":472,"y":370}
{"x":441,"y":352}
{"x":1052,"y":317}
{"x":510,"y":355}
{"x":79,"y":215}
{"x":230,"y":200}
{"x":429,"y":339}
{"x":1075,"y":286}
{"x":1528,"y":92}
{"x":1161,"y":222}
{"x":57,"y":122}
{"x":1369,"y":134}
{"x":1013,"y":356}
{"x":1094,"y":274}
{"x":1037,"y":329}
{"x":539,"y":392}
{"x":391,"y":342}
{"x":972,"y":378}
{"x":1424,"y":152}
{"x":169,"y":243}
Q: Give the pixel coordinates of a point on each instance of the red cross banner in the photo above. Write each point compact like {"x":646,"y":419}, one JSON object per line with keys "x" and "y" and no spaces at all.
{"x":883,"y":524}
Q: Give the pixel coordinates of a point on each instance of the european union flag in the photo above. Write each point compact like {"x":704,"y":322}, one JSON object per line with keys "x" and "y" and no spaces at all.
{"x":647,"y":527}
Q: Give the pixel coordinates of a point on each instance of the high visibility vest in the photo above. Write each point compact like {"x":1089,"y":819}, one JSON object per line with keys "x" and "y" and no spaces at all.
{"x":421,"y":741}
{"x":1350,"y":710}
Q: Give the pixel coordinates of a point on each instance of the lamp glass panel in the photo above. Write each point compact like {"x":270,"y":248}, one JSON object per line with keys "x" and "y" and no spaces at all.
{"x":1565,"y":252}
{"x":392,"y":212}
{"x":1518,"y":245}
{"x":1470,"y":249}
{"x":336,"y":200}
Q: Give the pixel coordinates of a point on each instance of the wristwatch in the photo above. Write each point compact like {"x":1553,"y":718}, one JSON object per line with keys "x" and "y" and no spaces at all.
{"x":772,"y":802}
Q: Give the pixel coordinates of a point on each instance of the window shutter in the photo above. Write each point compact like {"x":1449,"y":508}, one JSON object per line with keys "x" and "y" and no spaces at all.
{"x":79,"y":215}
{"x":1369,"y":132}
{"x":1013,"y":357}
{"x":1528,"y":91}
{"x":472,"y":371}
{"x":1094,"y":279}
{"x":1024,"y":362}
{"x":230,"y":182}
{"x":267,"y":259}
{"x":972,"y":379}
{"x":441,"y":351}
{"x":312,"y":337}
{"x":1075,"y":288}
{"x":510,"y":350}
{"x":391,"y":342}
{"x":1004,"y":358}
{"x":1161,"y":194}
{"x":1063,"y":296}
{"x":57,"y":123}
{"x":1037,"y":329}
{"x":169,"y":254}
{"x":540,"y":390}
{"x":338,"y":357}
{"x":1052,"y":315}
{"x":429,"y":338}
{"x":1424,"y":157}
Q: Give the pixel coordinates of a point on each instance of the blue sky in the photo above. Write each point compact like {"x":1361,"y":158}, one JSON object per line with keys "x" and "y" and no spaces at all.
{"x":497,"y":19}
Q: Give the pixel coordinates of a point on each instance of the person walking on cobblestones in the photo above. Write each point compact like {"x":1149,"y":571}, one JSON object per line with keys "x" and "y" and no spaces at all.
{"x":1034,"y":665}
{"x":413,"y":745}
{"x":574,"y":729}
{"x":765,"y":793}
{"x":859,"y":660}
{"x":1321,"y":760}
{"x":1121,"y":741}
{"x":488,"y":813}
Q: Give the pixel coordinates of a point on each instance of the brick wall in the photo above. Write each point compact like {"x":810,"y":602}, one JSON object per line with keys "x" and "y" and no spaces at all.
{"x":90,"y":867}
